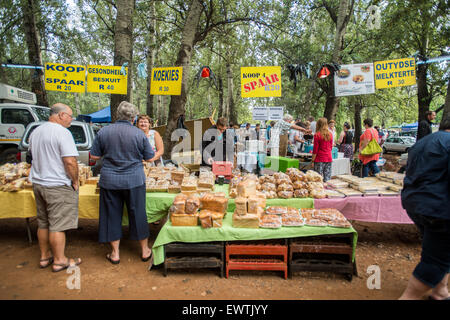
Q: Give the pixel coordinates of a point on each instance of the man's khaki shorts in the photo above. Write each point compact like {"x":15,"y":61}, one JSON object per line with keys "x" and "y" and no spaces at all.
{"x":57,"y":207}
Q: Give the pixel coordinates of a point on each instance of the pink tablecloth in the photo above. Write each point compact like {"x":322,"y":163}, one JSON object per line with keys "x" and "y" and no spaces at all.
{"x":369,"y":209}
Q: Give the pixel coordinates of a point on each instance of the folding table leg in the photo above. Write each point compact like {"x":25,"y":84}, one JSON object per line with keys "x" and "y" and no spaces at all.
{"x":30,"y":239}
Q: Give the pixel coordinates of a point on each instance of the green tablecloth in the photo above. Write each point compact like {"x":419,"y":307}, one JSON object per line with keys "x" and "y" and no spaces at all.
{"x":158,"y":203}
{"x":169,"y":234}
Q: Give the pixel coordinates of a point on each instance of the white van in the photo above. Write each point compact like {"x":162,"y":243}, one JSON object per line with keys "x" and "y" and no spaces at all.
{"x":17,"y":110}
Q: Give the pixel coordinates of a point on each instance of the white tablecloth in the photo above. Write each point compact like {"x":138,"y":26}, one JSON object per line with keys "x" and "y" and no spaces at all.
{"x":340,"y":166}
{"x":247,"y":160}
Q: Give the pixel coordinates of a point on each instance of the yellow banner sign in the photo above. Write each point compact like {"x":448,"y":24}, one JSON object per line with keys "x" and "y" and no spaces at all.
{"x":166,"y":81}
{"x":260,"y":82}
{"x":395,"y":73}
{"x":106,"y":79}
{"x":65,"y":77}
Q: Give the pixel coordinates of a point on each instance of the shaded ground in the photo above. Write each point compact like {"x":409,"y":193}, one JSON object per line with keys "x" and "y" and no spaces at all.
{"x":394,"y":248}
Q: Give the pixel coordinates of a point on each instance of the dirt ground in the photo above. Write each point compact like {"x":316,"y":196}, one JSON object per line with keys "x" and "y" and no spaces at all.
{"x":394,"y":248}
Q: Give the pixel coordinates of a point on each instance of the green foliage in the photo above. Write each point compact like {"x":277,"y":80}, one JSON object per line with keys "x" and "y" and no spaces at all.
{"x":273,"y":33}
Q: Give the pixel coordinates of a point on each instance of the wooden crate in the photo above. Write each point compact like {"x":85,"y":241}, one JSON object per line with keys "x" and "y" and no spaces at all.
{"x":181,"y":255}
{"x":268,"y":255}
{"x":325,"y":253}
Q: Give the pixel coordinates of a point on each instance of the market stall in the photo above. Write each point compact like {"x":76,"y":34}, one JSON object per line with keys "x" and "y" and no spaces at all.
{"x":369,"y":209}
{"x":338,"y":165}
{"x":227,"y":232}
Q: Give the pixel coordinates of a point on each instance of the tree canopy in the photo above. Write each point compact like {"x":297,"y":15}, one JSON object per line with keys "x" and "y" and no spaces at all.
{"x":233,"y":34}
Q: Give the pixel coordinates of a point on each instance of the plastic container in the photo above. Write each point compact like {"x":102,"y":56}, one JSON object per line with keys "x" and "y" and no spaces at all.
{"x":222,"y":168}
{"x":334,"y":153}
{"x":340,"y":155}
{"x":308,"y":148}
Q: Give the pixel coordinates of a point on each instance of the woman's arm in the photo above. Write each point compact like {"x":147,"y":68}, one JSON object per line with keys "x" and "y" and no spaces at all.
{"x":159,"y":146}
{"x":341,"y":137}
{"x":293,"y":126}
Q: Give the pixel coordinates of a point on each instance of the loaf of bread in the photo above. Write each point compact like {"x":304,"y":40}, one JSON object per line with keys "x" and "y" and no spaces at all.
{"x":179,"y":203}
{"x":313,"y":176}
{"x":301,"y":193}
{"x":205,"y":218}
{"x":285,"y":194}
{"x":245,"y":221}
{"x":300,"y":185}
{"x":241,"y":205}
{"x":217,"y":219}
{"x":268,"y":186}
{"x":192,"y":204}
{"x":253,"y":204}
{"x":214,"y":202}
{"x":285,"y":187}
{"x":246,"y":188}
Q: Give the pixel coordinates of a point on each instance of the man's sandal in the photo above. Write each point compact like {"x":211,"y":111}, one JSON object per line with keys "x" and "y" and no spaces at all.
{"x":48,"y":260}
{"x":66,"y":265}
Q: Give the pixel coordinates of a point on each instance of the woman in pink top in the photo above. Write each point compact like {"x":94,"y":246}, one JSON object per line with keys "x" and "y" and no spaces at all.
{"x":369,"y":162}
{"x":321,"y":155}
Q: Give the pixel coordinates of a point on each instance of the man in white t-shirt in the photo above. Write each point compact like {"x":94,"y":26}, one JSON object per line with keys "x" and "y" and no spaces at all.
{"x":54,"y":174}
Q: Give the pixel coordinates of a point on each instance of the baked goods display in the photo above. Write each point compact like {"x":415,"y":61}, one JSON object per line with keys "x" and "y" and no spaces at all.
{"x":293,"y":183}
{"x":278,"y":210}
{"x":270,"y":221}
{"x":84,"y":174}
{"x":250,"y":204}
{"x":14,"y":177}
{"x":208,"y":209}
{"x":324,"y":217}
{"x":292,"y":218}
{"x":383,"y":184}
{"x":332,"y":194}
{"x":175,"y":180}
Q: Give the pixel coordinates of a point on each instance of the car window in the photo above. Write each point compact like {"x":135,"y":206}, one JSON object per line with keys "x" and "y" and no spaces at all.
{"x":79,"y":136}
{"x":390,"y":140}
{"x":42,"y":113}
{"x":21,"y":116}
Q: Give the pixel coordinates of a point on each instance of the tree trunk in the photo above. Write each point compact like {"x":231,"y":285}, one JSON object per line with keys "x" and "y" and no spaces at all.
{"x":423,"y":96}
{"x":158,"y":109}
{"x":151,"y":53}
{"x":308,"y":99}
{"x":77,"y":103}
{"x":178,"y":103}
{"x":99,"y":107}
{"x":31,"y":31}
{"x":123,"y":48}
{"x":332,"y":103}
{"x":358,"y":127}
{"x":232,"y":114}
{"x":446,"y":112}
{"x":220,"y":84}
{"x":209,"y":102}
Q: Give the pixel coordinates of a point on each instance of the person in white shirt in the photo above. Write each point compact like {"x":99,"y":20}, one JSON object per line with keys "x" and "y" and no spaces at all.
{"x":281,"y":127}
{"x":54,"y":174}
{"x":312,"y":125}
{"x":332,"y":128}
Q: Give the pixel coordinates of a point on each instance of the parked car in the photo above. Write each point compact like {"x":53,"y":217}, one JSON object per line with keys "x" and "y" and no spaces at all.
{"x":82,"y":133}
{"x":398,"y":144}
{"x":17,"y":109}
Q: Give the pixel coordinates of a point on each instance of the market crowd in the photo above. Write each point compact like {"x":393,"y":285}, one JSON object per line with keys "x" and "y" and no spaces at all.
{"x":124,"y":147}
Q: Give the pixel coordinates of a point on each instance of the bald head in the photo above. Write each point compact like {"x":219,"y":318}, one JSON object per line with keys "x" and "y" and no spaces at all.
{"x":59,"y":107}
{"x":61,"y":113}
